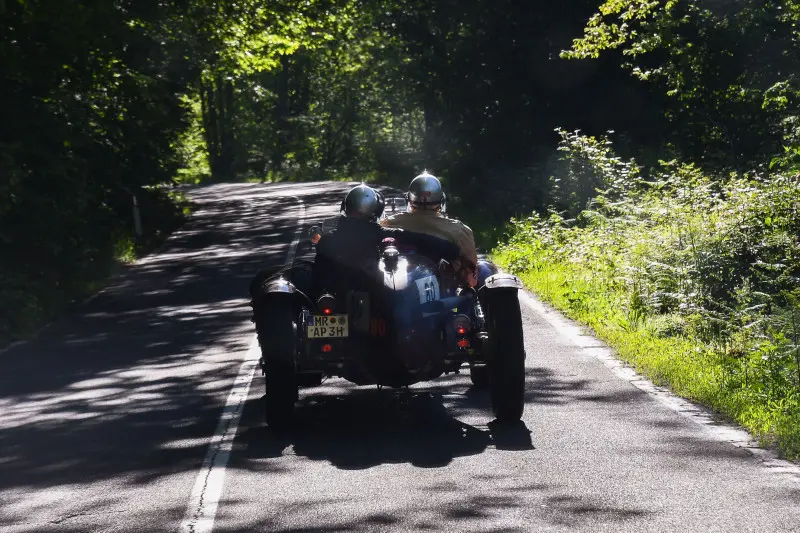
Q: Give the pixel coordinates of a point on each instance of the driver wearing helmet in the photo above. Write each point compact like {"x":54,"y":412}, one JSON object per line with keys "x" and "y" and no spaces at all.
{"x":425,"y":200}
{"x":355,"y":242}
{"x":342,"y":254}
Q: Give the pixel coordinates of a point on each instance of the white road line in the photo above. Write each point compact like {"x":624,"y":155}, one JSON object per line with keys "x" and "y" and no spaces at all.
{"x":729,"y":433}
{"x":205,"y":495}
{"x":207,"y":488}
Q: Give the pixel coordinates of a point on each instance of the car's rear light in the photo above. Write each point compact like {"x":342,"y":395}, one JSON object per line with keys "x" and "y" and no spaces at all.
{"x":462,"y":324}
{"x":463,"y":343}
{"x":326,"y":304}
{"x":327,"y":348}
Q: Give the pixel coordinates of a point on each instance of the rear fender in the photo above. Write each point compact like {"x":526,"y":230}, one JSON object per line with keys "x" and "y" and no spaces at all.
{"x":281,"y":288}
{"x":502,"y":281}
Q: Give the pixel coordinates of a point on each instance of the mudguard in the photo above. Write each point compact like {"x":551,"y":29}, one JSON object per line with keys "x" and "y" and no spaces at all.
{"x":274,"y":287}
{"x":284,"y":286}
{"x":502,"y":281}
{"x":280,"y":285}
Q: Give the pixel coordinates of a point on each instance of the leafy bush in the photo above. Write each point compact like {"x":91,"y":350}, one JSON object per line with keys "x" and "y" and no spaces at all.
{"x":40,"y":279}
{"x":707,"y":269}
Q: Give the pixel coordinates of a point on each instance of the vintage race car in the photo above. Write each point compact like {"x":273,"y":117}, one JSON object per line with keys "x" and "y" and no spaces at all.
{"x":408,"y":322}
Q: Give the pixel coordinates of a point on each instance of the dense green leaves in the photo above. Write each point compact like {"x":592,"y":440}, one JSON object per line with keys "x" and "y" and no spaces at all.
{"x":728,"y":68}
{"x":89,"y":115}
{"x":104,"y":100}
{"x":97,"y":102}
{"x":703,"y":272}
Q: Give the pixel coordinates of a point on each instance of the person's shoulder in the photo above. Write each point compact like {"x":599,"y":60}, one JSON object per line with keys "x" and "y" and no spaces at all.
{"x":456,"y":222}
{"x":397,"y":217}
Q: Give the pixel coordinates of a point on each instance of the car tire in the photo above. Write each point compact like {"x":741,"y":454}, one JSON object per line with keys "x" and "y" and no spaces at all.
{"x":479,"y":375}
{"x":507,"y":355}
{"x":277,"y":335}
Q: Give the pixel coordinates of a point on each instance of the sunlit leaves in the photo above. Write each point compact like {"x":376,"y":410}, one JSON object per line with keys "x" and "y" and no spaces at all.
{"x":686,"y":260}
{"x":250,"y":36}
{"x":730,"y":69}
{"x":620,"y":22}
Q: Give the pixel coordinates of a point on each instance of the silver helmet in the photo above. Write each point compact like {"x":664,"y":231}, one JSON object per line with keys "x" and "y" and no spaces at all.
{"x":363,"y":202}
{"x":426,"y":192}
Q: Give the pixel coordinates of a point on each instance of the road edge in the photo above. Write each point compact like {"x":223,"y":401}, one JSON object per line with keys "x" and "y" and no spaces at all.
{"x":719,"y":431}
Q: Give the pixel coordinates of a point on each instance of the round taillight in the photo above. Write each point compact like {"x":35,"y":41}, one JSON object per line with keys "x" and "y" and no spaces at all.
{"x":462,"y":324}
{"x":326,"y":304}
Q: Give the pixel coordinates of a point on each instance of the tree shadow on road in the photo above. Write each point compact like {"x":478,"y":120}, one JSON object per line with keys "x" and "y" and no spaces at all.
{"x":133,"y":381}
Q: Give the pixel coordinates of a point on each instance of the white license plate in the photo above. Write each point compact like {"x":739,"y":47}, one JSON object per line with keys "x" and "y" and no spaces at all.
{"x":326,"y":326}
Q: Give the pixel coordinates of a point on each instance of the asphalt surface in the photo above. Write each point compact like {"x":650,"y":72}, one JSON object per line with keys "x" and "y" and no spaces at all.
{"x":105,"y":419}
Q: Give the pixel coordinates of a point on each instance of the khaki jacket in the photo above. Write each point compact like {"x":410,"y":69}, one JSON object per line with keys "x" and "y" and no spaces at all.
{"x":434,"y":223}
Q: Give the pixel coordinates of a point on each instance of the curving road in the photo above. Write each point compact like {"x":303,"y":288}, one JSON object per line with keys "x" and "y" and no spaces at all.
{"x":122,"y":417}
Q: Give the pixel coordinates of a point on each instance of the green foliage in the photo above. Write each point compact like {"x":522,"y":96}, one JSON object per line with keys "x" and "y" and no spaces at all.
{"x":470,"y":94}
{"x":729,"y":69}
{"x":107,"y":99}
{"x":702,"y":271}
{"x":304,"y":91}
{"x":92,"y":113}
{"x":588,"y":166}
{"x":191,"y":148}
{"x":638,"y":24}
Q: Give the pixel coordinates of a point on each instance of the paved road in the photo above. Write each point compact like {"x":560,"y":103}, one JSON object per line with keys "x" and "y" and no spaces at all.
{"x":106,"y":420}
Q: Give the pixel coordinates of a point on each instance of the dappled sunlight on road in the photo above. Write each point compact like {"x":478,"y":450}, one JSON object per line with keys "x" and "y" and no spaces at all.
{"x":127,"y":390}
{"x":108,"y":414}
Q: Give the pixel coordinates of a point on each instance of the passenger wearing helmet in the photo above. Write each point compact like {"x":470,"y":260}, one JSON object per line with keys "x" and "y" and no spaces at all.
{"x":425,"y":201}
{"x":343,"y":254}
{"x":354,"y":244}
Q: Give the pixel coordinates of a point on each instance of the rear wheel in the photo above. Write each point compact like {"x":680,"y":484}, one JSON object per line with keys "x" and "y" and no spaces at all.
{"x":277,"y":336}
{"x":507,"y":356}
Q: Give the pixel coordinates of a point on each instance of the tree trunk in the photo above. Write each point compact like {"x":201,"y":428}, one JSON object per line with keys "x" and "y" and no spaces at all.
{"x":281,"y":116}
{"x":227,"y":140}
{"x":217,"y":105}
{"x":210,"y":126}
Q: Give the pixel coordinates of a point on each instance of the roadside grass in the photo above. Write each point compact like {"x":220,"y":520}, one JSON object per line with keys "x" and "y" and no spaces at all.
{"x":693,"y":280}
{"x":692,"y":369}
{"x":30,"y":298}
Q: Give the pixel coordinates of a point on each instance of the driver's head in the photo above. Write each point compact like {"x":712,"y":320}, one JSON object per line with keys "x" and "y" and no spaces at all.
{"x":363,"y":202}
{"x":425,"y":193}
